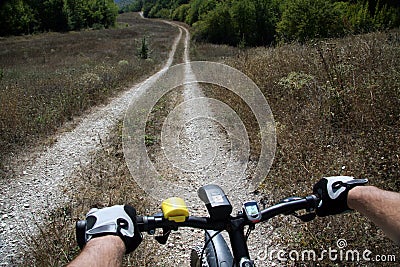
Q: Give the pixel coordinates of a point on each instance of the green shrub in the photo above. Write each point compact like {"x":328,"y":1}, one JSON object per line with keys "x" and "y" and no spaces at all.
{"x":24,"y":17}
{"x":180,"y":12}
{"x":163,"y":13}
{"x":143,"y":50}
{"x":16,"y":17}
{"x":216,"y":26}
{"x":307,"y":19}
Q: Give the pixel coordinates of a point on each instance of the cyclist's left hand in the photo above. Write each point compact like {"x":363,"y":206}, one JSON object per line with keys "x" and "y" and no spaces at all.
{"x":116,"y":220}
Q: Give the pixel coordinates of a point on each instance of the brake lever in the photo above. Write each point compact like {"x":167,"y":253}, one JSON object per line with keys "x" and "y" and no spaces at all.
{"x":162,"y":239}
{"x":350,"y":184}
{"x":305,"y":217}
{"x":289,"y":199}
{"x":309,"y":216}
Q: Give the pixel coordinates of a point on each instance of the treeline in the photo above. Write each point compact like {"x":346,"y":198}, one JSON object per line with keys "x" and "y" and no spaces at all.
{"x":29,"y":16}
{"x":129,"y":5}
{"x":262,"y":22}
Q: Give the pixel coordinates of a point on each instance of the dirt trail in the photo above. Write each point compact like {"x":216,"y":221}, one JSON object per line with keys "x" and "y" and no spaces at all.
{"x":25,"y":199}
{"x":34,"y":189}
{"x":204,"y":156}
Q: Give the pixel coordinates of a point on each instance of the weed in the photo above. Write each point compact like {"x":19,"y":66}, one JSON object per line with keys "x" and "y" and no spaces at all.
{"x":149,"y":140}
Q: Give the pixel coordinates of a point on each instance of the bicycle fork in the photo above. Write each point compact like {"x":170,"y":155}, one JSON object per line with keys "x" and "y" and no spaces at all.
{"x":218,"y":252}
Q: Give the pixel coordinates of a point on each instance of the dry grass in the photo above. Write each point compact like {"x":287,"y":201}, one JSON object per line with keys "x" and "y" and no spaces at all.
{"x":336,"y":104}
{"x":50,"y":78}
{"x":47,"y":79}
{"x":337,"y":108}
{"x":106,"y":181}
{"x":212,"y":52}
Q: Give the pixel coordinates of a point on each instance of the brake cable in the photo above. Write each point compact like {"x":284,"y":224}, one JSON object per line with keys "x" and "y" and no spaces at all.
{"x":251,"y":227}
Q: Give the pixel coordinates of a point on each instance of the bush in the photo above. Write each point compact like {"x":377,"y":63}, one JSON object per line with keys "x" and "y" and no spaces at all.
{"x":24,"y":17}
{"x":163,"y":13}
{"x":143,"y":50}
{"x":16,"y":17}
{"x":216,"y":26}
{"x":180,"y":12}
{"x":306,"y":19}
{"x":197,"y":9}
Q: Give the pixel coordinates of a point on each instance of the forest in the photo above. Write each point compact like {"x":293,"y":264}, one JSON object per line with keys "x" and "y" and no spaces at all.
{"x":264,"y":22}
{"x":31,"y":16}
{"x":233,"y":22}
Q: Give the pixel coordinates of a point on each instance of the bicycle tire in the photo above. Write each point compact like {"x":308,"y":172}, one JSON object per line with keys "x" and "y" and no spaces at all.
{"x":217,"y":252}
{"x":195,"y":257}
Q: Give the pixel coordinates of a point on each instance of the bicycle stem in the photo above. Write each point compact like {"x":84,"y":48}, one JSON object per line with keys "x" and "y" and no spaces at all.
{"x":238,"y":240}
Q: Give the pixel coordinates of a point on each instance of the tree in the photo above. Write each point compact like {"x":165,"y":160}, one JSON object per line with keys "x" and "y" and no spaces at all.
{"x":243,"y":14}
{"x":199,"y":8}
{"x":49,"y":15}
{"x":181,"y":12}
{"x":23,"y":16}
{"x":76,"y":14}
{"x":216,"y":26}
{"x":16,"y":17}
{"x":82,"y":14}
{"x":147,"y":6}
{"x":307,"y":19}
{"x":267,"y":15}
{"x":110,"y":13}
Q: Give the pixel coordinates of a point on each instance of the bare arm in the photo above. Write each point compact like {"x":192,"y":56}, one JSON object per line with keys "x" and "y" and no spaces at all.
{"x":380,"y":206}
{"x":101,"y":251}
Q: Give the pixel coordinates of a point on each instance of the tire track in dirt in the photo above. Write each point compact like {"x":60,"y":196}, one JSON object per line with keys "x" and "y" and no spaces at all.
{"x":34,"y":190}
{"x":204,"y":157}
{"x":204,"y":142}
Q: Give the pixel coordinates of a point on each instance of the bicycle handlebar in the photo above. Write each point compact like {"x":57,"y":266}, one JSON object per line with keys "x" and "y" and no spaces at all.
{"x":308,"y":203}
{"x":234,"y":225}
{"x":286,"y":207}
{"x":149,"y":223}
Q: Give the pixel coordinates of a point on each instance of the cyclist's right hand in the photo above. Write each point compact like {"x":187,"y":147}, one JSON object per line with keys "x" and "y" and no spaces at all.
{"x":333,"y":193}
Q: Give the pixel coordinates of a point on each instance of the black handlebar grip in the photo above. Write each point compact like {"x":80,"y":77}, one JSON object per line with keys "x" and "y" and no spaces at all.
{"x":313,"y":200}
{"x":80,"y":231}
{"x":139,"y":219}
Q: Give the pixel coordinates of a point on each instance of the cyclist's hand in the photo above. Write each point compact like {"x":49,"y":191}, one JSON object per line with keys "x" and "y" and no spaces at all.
{"x":333,"y":192}
{"x":116,"y":220}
